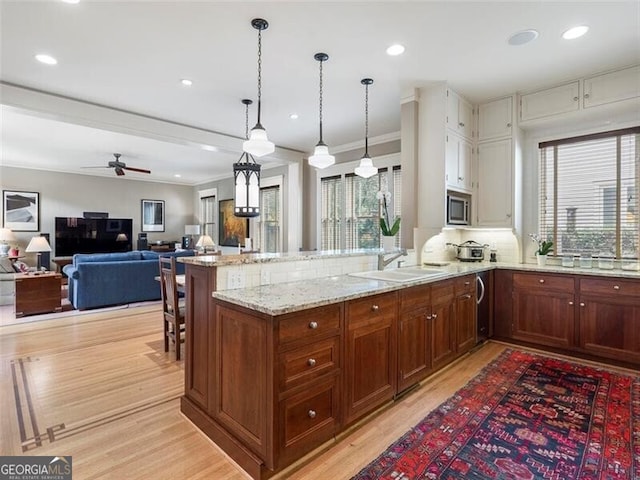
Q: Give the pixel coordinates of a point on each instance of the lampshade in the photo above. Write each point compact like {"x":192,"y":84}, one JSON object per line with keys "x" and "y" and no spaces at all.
{"x":246,"y":175}
{"x":205,"y":241}
{"x":37,"y":245}
{"x":258,"y":144}
{"x":321,"y":157}
{"x":6,"y":235}
{"x":366,"y":168}
{"x":122,"y":237}
{"x":192,"y":229}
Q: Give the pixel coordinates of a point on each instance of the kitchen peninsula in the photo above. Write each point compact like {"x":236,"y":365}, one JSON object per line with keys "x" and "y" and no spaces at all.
{"x":273,"y":371}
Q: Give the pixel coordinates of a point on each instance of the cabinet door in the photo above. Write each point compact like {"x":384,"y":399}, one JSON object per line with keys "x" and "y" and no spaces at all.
{"x":465,"y":323}
{"x":443,"y":333}
{"x":612,"y":87}
{"x":495,"y":119}
{"x":544,"y":317}
{"x":371,"y":368}
{"x":414,"y":347}
{"x":552,"y":101}
{"x":451,"y":161}
{"x":459,"y":115}
{"x":459,"y":163}
{"x":494,"y":180}
{"x":610,"y":327}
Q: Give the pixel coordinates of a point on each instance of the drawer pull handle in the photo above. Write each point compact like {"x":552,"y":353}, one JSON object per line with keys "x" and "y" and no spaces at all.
{"x":434,"y":316}
{"x":466,"y":284}
{"x":582,"y":304}
{"x":311,"y":362}
{"x":375,"y":308}
{"x":541,"y":280}
{"x":616,"y":287}
{"x":313,"y":325}
{"x":570,"y":303}
{"x":311,"y":413}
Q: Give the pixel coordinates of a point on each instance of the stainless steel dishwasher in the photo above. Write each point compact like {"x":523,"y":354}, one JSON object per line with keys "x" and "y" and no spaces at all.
{"x":484,"y":305}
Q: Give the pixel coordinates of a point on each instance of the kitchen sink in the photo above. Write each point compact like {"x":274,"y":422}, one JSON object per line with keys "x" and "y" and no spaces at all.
{"x":401,"y":275}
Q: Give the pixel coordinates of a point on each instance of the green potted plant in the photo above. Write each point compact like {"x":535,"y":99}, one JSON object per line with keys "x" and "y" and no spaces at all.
{"x":389,"y":230}
{"x":544,"y":247}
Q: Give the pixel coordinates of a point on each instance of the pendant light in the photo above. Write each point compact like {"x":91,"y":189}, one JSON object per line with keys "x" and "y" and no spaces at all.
{"x":366,"y":168}
{"x":257,"y":144}
{"x":321,"y":157}
{"x":246,"y":175}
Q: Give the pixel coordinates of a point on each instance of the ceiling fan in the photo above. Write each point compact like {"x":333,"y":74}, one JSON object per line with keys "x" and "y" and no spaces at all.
{"x":120,"y":167}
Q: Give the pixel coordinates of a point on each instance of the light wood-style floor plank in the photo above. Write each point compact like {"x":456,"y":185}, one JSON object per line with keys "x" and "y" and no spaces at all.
{"x":110,"y":395}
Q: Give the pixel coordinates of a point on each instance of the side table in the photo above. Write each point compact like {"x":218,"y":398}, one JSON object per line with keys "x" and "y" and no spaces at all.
{"x":38,"y":293}
{"x":61,"y":262}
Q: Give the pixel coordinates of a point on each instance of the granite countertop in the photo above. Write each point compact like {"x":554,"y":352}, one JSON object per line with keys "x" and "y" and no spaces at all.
{"x":246,"y":258}
{"x":278,"y":299}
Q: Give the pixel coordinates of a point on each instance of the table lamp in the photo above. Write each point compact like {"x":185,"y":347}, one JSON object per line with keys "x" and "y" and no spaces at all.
{"x":38,"y":245}
{"x":205,"y":241}
{"x":6,"y":236}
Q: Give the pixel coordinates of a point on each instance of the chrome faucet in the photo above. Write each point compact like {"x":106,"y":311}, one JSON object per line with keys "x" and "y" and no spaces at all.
{"x":382,"y":262}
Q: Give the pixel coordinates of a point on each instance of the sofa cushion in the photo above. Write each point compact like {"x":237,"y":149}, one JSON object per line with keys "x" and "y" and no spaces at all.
{"x":6,"y":266}
{"x":106,"y":257}
{"x":149,"y":255}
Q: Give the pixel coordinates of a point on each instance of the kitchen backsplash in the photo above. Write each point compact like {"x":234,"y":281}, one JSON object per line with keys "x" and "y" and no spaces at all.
{"x":503,"y":241}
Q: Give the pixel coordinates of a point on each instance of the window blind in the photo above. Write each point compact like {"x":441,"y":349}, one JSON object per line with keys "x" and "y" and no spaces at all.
{"x":208,"y":215}
{"x":331,"y":212}
{"x":270,"y":219}
{"x":589,"y":194}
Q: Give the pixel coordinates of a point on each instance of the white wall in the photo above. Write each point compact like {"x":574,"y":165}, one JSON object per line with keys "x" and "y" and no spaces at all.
{"x":69,"y":195}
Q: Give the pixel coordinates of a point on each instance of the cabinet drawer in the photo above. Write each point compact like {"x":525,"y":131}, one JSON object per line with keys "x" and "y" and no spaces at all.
{"x":465,"y":284}
{"x":310,"y":324}
{"x":601,"y":286}
{"x":371,"y":309}
{"x":415,"y":297}
{"x":544,"y":281}
{"x":442,"y":292}
{"x":309,"y":362}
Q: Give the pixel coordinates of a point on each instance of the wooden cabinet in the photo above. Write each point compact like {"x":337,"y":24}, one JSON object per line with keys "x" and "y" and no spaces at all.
{"x":459,"y":163}
{"x":550,"y":101}
{"x":414,"y":335}
{"x":459,"y":115}
{"x":495,"y":119}
{"x":443,"y":331}
{"x":543,"y":309}
{"x":610,"y":318}
{"x":612,"y":87}
{"x":371,"y":356}
{"x":40,"y":293}
{"x":494,"y":201}
{"x":465,"y":313}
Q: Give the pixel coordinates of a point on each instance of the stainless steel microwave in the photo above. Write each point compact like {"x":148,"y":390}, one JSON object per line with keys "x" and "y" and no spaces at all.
{"x":458,"y":211}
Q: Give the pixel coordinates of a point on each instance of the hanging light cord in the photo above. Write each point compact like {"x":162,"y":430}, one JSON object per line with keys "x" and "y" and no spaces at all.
{"x":366,"y":120}
{"x":321,"y":101}
{"x":246,"y":121}
{"x":259,"y":72}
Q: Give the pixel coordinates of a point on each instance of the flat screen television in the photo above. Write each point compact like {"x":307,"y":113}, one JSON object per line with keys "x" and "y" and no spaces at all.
{"x":92,"y":235}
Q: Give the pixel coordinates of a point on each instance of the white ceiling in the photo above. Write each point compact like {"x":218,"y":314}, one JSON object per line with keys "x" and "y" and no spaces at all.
{"x":131,"y":55}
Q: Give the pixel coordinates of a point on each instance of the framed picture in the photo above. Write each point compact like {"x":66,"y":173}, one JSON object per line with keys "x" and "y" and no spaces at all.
{"x":233,"y":230}
{"x":153,"y":215}
{"x":21,"y":211}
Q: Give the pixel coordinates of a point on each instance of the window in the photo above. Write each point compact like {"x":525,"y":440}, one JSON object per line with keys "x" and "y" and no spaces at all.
{"x":588,"y":201}
{"x":350,"y":210}
{"x":208,"y":215}
{"x":270,"y":219}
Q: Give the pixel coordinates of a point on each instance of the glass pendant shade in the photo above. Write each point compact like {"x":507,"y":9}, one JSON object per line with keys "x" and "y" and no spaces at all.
{"x":321,"y":157}
{"x":258,"y":143}
{"x":366,"y":168}
{"x":247,"y":188}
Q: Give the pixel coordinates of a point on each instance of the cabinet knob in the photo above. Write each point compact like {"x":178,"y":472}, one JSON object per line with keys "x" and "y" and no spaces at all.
{"x":586,"y":95}
{"x":375,"y":308}
{"x":429,"y":317}
{"x":616,"y":287}
{"x":570,"y":303}
{"x":582,"y":304}
{"x":461,"y":179}
{"x":311,"y":413}
{"x":509,"y":125}
{"x":466,"y":284}
{"x":313,"y":325}
{"x":311,"y":362}
{"x":461,"y":124}
{"x":575,"y":99}
{"x":434,"y":316}
{"x":541,"y":280}
{"x":467,"y":296}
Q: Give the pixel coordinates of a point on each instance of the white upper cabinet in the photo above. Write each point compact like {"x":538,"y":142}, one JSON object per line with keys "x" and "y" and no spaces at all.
{"x":551,"y":101}
{"x":459,"y":163}
{"x":494,"y":202}
{"x":612,"y":87}
{"x":495,"y":119}
{"x":459,"y":114}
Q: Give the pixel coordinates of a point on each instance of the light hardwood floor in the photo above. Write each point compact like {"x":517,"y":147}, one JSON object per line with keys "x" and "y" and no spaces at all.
{"x":100,"y":387}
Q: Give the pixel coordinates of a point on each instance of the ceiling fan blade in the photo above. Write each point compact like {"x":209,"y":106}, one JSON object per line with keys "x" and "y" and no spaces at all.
{"x":119,"y":171}
{"x":133,"y":169}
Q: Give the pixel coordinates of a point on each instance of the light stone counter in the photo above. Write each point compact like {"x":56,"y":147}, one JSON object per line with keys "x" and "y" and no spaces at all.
{"x":300,"y":295}
{"x":251,"y":258}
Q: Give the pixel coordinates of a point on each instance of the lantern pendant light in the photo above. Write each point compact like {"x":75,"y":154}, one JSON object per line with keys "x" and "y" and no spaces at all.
{"x":257,"y":144}
{"x":247,"y":178}
{"x":366,"y":168}
{"x":321,"y":157}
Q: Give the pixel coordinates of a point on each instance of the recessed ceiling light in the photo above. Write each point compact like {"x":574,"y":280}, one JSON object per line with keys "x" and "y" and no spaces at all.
{"x":575,"y":32}
{"x":71,"y":1}
{"x":396,"y":49}
{"x":186,"y":82}
{"x":525,"y":36}
{"x":177,"y":175}
{"x":293,"y":116}
{"x":48,"y":59}
{"x":209,"y":148}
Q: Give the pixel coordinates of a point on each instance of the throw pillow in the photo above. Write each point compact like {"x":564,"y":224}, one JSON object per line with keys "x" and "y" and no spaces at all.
{"x":20,"y":267}
{"x":6,"y":266}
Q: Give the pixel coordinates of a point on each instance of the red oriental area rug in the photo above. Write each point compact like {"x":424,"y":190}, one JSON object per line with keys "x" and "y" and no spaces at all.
{"x":525,"y":417}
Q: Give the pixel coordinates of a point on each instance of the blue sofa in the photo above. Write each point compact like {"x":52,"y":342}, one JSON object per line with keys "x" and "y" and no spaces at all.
{"x":103,"y":279}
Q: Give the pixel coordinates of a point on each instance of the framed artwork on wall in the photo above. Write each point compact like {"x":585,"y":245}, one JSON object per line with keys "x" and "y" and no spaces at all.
{"x":153,"y":215}
{"x":21,"y":211}
{"x":233,"y":230}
